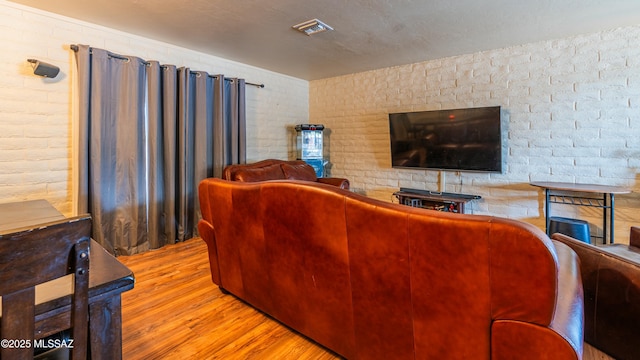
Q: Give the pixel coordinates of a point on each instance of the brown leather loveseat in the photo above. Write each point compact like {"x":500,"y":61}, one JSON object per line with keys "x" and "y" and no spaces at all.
{"x":272,"y":169}
{"x":611,"y":281}
{"x":375,"y":280}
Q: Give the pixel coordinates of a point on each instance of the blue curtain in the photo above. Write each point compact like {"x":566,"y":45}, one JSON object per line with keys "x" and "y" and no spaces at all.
{"x":149,"y":133}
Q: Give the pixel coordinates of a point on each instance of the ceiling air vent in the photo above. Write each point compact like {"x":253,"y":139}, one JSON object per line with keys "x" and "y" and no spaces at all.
{"x":311,"y":27}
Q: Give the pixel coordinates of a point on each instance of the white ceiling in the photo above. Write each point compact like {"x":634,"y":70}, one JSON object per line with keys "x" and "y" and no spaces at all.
{"x":369,"y":34}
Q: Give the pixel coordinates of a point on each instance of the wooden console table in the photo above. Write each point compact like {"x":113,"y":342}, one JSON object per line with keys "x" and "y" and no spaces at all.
{"x":108,"y":278}
{"x":556,"y":192}
{"x":442,"y":201}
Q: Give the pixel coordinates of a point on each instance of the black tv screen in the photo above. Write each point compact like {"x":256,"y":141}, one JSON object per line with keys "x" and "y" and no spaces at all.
{"x":459,"y":139}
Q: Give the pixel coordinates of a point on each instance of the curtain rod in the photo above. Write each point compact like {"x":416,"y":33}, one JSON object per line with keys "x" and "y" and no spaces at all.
{"x":116,"y":56}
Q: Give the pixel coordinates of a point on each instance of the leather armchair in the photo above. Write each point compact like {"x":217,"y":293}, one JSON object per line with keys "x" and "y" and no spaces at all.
{"x":272,"y":169}
{"x":611,"y":282}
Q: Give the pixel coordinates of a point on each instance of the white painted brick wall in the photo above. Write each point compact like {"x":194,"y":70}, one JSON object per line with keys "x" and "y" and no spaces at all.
{"x":35,"y":113}
{"x":572,"y":108}
{"x":572,"y":111}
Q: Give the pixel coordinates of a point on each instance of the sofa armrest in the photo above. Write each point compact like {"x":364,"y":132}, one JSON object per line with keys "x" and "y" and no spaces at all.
{"x":339,"y":182}
{"x":563,"y":336}
{"x":568,"y":319}
{"x":208,"y":235}
{"x":634,"y":237}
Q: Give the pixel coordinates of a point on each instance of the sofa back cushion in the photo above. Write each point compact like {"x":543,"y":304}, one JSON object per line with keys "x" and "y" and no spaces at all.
{"x":289,"y":261}
{"x":270,"y":172}
{"x":299,"y":170}
{"x":446,"y":277}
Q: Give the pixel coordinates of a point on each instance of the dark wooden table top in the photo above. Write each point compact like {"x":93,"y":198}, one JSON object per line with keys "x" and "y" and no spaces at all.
{"x":21,"y":214}
{"x":106,"y":273}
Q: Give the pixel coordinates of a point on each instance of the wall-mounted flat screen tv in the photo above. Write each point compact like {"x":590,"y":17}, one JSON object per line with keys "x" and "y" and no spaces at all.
{"x":459,"y":139}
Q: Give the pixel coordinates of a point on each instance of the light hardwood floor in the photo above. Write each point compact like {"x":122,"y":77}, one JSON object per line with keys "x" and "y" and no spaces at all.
{"x":176,"y":312}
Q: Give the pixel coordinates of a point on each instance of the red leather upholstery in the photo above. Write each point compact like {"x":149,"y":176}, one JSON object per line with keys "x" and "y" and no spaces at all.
{"x":272,"y":169}
{"x":300,"y":171}
{"x":375,"y":280}
{"x":634,"y":237}
{"x":611,"y":280}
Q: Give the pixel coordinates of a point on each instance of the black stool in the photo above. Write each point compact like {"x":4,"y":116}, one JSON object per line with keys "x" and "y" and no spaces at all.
{"x":577,"y":229}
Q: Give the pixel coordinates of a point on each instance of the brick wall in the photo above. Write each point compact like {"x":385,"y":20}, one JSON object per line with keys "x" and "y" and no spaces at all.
{"x":571,"y":109}
{"x":572,"y":114}
{"x":35,"y":113}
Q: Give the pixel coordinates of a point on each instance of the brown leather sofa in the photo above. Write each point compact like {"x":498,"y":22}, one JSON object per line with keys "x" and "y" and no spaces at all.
{"x":611,"y":281}
{"x":272,"y":169}
{"x":375,"y":280}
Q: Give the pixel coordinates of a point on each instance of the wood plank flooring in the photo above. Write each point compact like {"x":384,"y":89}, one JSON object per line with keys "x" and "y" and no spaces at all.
{"x":176,"y":312}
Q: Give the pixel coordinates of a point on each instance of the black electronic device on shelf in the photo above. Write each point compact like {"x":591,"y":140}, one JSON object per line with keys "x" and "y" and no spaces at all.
{"x":434,"y":200}
{"x":439,"y":193}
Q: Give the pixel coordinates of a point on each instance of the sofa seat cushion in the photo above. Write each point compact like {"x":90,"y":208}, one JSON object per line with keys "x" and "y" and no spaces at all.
{"x":299,"y":171}
{"x":623,"y":251}
{"x":271,"y":172}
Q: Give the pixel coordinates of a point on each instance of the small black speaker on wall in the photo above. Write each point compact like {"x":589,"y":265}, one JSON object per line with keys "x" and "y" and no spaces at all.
{"x":44,"y":69}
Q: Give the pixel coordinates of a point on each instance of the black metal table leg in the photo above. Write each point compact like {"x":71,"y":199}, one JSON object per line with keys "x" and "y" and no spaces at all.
{"x":547,"y":206}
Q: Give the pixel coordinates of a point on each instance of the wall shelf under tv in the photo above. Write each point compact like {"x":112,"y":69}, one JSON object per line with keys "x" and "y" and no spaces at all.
{"x":434,"y":200}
